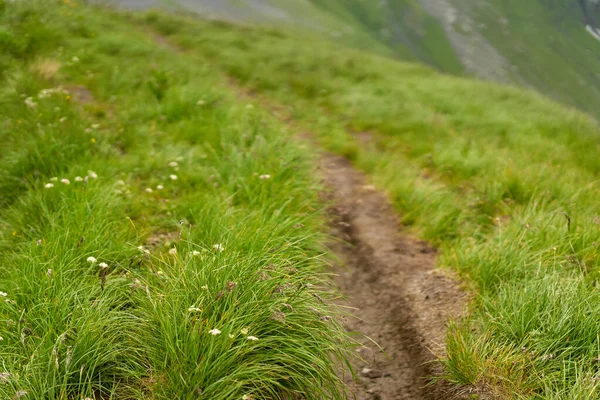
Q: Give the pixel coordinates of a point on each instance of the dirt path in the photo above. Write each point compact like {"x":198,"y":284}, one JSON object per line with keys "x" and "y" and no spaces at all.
{"x":402,"y":302}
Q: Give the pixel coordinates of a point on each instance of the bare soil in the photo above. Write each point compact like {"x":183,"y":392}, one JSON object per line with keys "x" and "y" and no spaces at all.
{"x":402,"y":302}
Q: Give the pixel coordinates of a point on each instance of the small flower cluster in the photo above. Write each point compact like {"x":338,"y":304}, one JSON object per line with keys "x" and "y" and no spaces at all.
{"x":65,"y":181}
{"x":30,"y":103}
{"x":219,"y":247}
{"x":92,"y":260}
{"x":92,"y":128}
{"x":45,"y":93}
{"x":244,"y":332}
{"x":143,"y":250}
{"x":173,"y":177}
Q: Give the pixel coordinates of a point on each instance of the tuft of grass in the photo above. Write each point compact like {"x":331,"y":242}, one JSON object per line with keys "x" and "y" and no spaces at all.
{"x":142,"y":208}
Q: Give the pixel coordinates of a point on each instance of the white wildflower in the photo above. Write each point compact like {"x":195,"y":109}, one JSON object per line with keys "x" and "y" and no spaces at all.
{"x":231,"y":336}
{"x":195,"y":252}
{"x":143,"y":249}
{"x":63,"y":119}
{"x":49,"y":273}
{"x":92,"y":174}
{"x":30,"y":103}
{"x":173,"y":251}
{"x":103,"y":265}
{"x":78,"y":179}
{"x":219,"y":247}
{"x":159,"y":187}
{"x":5,"y":377}
{"x":265,"y":176}
{"x":204,"y":287}
{"x":173,"y":164}
{"x":49,"y":185}
{"x":173,"y":177}
{"x":54,"y":179}
{"x":194,"y":309}
{"x":45,"y":93}
{"x":252,"y":338}
{"x":3,"y":294}
{"x":149,"y":190}
{"x":91,"y":260}
{"x":65,"y":181}
{"x":244,"y":331}
{"x":1,"y":338}
{"x":214,"y":332}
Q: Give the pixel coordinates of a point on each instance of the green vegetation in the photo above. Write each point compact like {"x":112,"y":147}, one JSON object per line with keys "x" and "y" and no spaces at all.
{"x":504,"y":181}
{"x":404,"y":26}
{"x":161,"y":239}
{"x":547,"y":43}
{"x":399,"y":28}
{"x":158,"y":239}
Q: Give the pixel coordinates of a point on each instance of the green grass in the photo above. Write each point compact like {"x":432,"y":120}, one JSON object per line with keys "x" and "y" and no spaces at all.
{"x":168,"y":161}
{"x":399,"y":29}
{"x":502,"y":180}
{"x":404,"y":26}
{"x":547,"y":43}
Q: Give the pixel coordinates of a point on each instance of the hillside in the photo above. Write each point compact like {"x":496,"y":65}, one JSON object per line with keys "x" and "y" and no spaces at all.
{"x":511,"y":42}
{"x":501,"y":179}
{"x":196,"y":209}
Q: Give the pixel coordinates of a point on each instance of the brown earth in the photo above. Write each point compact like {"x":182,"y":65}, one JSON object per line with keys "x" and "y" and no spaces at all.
{"x":402,"y":302}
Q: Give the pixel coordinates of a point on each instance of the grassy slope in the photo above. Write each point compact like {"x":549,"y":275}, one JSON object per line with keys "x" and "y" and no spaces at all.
{"x":502,"y":179}
{"x":404,"y":26}
{"x":227,"y":250}
{"x":547,"y":42}
{"x":400,"y":29}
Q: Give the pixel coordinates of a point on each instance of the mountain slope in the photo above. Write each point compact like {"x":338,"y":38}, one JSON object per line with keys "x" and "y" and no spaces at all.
{"x":545,"y":44}
{"x":503,"y":180}
{"x":536,"y":44}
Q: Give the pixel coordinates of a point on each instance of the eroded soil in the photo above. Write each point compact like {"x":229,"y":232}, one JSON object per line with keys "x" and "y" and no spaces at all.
{"x":402,"y":303}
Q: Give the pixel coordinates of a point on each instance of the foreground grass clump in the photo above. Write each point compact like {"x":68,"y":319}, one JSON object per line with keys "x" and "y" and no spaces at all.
{"x":157,"y":239}
{"x":504,"y":181}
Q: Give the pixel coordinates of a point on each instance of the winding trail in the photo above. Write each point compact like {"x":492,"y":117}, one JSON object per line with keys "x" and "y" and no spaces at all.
{"x":401,"y":301}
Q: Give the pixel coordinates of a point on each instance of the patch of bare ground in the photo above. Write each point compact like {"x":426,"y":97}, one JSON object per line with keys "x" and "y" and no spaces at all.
{"x":81,"y":94}
{"x":402,"y":302}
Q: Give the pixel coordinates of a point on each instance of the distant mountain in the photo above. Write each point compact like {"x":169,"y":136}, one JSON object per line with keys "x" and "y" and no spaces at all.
{"x":541,"y":44}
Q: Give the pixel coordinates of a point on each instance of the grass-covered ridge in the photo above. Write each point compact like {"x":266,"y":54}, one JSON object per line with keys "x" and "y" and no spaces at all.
{"x":158,"y":238}
{"x":504,"y":181}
